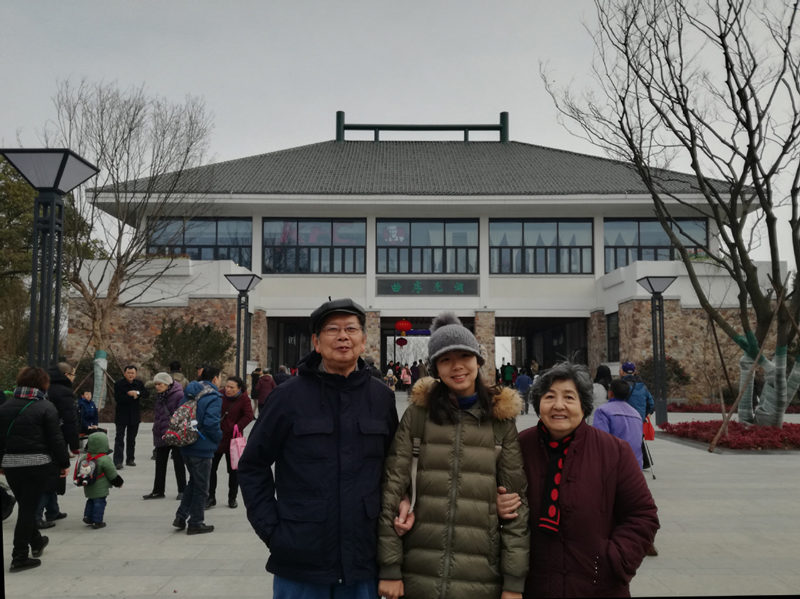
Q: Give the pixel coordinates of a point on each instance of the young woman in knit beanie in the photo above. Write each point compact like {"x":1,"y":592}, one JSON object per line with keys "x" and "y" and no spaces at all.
{"x":467,"y":446}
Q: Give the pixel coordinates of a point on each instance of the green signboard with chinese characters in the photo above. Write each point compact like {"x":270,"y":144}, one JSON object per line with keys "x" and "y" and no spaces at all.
{"x":428,"y":286}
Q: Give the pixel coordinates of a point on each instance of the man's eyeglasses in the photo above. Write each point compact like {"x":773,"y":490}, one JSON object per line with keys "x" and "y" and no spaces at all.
{"x":334,"y":331}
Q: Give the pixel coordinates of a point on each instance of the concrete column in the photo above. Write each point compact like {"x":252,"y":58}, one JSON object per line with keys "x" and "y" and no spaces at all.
{"x":596,"y":340}
{"x":484,"y":333}
{"x":258,"y":337}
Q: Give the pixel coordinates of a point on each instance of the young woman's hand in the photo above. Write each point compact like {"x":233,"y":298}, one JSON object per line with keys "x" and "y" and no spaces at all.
{"x":507,"y":504}
{"x":404,"y":521}
{"x":393,"y":589}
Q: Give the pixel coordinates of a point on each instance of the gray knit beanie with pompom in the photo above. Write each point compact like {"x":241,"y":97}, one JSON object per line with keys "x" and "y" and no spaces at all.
{"x":448,"y":334}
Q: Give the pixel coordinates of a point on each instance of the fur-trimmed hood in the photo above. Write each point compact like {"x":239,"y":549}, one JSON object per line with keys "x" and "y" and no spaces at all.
{"x":506,"y":403}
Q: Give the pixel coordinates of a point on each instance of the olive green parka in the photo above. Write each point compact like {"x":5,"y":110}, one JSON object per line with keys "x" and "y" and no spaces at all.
{"x":457,"y":547}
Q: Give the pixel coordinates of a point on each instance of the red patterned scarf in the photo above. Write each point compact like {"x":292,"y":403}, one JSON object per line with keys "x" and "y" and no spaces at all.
{"x":550,"y":516}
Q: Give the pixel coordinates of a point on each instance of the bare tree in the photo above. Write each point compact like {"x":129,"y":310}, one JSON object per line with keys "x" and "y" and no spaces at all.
{"x":144,"y":147}
{"x":714,"y":86}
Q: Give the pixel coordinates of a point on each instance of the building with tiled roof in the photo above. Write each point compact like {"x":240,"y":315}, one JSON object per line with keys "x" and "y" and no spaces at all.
{"x":523,"y":241}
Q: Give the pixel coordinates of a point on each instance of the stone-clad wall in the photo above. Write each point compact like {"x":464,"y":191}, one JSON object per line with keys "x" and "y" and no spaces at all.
{"x":373,"y":330}
{"x":596,"y":340}
{"x":688,"y":337}
{"x":134,"y":329}
{"x":484,"y":333}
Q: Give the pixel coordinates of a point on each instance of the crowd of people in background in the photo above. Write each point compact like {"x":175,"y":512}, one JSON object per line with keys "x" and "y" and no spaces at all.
{"x":404,"y":489}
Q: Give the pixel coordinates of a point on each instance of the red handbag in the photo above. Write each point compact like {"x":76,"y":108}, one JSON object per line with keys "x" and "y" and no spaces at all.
{"x":648,"y":430}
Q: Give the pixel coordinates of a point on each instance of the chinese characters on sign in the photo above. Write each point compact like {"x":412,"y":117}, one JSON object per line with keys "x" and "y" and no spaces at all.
{"x":427,"y":287}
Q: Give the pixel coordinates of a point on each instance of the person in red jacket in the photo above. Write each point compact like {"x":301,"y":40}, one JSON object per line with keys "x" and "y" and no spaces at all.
{"x":592,"y":516}
{"x":236,"y":410}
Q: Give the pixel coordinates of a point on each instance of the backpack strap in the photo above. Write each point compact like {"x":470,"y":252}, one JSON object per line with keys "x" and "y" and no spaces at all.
{"x":418,"y":417}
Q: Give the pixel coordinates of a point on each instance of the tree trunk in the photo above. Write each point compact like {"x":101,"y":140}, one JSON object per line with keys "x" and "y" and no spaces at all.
{"x":100,"y":366}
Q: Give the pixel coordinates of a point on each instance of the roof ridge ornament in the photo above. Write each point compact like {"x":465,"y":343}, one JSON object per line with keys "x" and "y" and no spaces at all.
{"x":341,"y":127}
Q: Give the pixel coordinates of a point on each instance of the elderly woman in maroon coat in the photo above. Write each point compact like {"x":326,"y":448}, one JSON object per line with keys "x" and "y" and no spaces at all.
{"x":592,"y":516}
{"x":169,"y":395}
{"x":236,"y":410}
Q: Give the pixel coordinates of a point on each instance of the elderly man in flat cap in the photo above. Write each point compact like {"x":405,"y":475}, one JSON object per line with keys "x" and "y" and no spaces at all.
{"x":326,"y":432}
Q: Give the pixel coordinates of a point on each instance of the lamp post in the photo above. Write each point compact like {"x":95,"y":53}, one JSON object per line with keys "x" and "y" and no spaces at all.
{"x":244,"y":284}
{"x":657,"y":286}
{"x":53,"y":173}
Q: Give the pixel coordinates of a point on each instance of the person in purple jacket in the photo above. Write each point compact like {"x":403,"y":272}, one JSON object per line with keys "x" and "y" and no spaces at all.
{"x":170,"y":396}
{"x":619,"y":418}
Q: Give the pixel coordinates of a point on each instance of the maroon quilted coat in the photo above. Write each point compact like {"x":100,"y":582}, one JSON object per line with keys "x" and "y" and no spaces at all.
{"x":608,"y":517}
{"x":235,"y":410}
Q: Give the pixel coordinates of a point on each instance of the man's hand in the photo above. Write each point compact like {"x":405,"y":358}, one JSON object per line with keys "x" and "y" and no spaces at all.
{"x":510,"y":595}
{"x":404,"y":521}
{"x":133,"y":393}
{"x":507,"y":504}
{"x":392,"y":589}
{"x":63,"y":473}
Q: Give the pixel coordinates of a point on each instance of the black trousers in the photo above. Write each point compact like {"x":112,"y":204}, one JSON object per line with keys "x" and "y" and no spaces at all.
{"x":28,"y":483}
{"x":129,"y":442}
{"x":233,"y":477}
{"x":162,"y":458}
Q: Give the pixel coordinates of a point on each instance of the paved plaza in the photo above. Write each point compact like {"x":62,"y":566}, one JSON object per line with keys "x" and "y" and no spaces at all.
{"x":729,"y":526}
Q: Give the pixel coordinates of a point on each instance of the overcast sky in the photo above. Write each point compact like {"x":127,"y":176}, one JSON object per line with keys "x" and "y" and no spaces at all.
{"x":273,"y":73}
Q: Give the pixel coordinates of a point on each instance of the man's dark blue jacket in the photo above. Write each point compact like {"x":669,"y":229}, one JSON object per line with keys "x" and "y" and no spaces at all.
{"x":327,"y":436}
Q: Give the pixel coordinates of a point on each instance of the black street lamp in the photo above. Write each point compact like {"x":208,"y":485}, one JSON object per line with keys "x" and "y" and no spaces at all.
{"x":53,"y":173}
{"x":244,"y":284}
{"x":657,"y":286}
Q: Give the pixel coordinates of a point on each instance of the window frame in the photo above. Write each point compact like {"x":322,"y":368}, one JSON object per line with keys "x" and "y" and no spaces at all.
{"x":330,"y":259}
{"x":407,"y":259}
{"x":613,"y":255}
{"x":536,"y":260}
{"x":194,"y":251}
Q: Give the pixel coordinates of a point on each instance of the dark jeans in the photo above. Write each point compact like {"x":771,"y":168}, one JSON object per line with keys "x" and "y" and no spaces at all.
{"x":162,"y":458}
{"x":48,"y":506}
{"x":129,"y":443}
{"x":94,"y":510}
{"x":233,"y":478}
{"x":28,"y":483}
{"x":195,"y":494}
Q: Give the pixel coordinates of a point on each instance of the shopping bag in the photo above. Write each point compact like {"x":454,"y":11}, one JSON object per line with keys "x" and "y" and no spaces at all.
{"x":648,"y":430}
{"x":237,"y":447}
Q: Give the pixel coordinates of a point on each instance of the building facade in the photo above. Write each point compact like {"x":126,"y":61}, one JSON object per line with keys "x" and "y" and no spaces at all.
{"x":518,"y":240}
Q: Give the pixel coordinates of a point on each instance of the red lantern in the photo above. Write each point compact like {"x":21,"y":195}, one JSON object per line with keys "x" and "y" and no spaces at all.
{"x":402,"y":325}
{"x":401,"y":341}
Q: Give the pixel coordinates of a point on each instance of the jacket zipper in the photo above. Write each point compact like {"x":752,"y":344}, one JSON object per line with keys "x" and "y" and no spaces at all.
{"x":451,"y":508}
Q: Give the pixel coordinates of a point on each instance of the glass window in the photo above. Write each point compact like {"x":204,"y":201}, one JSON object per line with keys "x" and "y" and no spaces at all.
{"x":200,"y":232}
{"x":350,"y":233}
{"x":427,"y":234}
{"x":541,"y":234}
{"x":629,"y":240}
{"x":505,"y":233}
{"x":436,"y":246}
{"x":315,"y":246}
{"x":393,"y":233}
{"x":612,"y":337}
{"x":204,"y":239}
{"x":279,"y":232}
{"x":541,"y":246}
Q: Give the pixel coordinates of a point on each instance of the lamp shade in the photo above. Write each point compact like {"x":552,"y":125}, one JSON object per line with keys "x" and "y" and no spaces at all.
{"x":401,"y":341}
{"x":50,"y":169}
{"x":244,"y":282}
{"x":402,"y":325}
{"x":656,"y":284}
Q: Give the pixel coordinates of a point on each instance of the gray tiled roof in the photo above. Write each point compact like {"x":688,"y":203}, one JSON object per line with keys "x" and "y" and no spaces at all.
{"x":424,"y":168}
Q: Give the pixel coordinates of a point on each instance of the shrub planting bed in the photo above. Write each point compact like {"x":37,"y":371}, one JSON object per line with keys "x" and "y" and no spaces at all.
{"x":738,"y":436}
{"x":713,"y":408}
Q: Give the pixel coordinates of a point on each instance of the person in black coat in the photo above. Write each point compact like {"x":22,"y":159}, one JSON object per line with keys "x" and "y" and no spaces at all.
{"x":31,"y":445}
{"x":128,"y":395}
{"x":62,"y":396}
